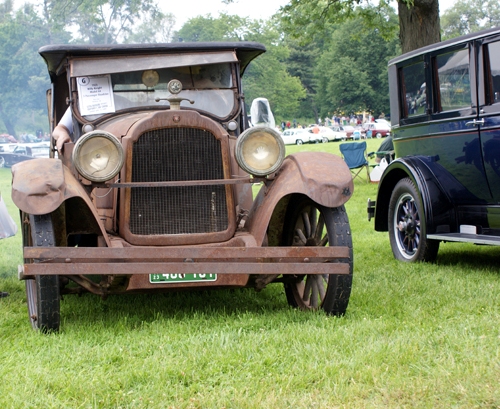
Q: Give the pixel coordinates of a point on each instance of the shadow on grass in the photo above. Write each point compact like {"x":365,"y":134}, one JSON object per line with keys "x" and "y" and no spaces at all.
{"x":138,"y":309}
{"x":471,"y":257}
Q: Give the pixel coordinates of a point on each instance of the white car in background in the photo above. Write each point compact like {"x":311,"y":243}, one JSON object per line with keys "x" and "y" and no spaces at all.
{"x":298,"y":136}
{"x":329,"y":134}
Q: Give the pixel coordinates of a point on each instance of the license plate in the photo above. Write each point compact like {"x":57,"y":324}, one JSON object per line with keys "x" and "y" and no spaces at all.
{"x":181,"y":278}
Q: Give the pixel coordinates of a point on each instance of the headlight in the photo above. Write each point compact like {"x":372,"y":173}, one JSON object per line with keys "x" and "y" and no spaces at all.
{"x":98,"y":156}
{"x":260,"y":151}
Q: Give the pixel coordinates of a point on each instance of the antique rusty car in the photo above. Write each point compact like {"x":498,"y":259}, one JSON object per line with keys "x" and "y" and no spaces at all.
{"x":154,"y":191}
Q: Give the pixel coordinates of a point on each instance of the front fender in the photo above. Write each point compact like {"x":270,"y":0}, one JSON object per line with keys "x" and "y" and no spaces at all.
{"x":40,"y":186}
{"x":431,"y":180}
{"x":323,"y":177}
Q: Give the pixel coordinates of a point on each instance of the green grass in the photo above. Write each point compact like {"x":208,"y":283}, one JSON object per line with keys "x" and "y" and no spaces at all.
{"x":414,"y":336}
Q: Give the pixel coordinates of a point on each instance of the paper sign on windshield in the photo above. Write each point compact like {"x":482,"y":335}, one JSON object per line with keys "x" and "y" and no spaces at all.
{"x":95,"y":95}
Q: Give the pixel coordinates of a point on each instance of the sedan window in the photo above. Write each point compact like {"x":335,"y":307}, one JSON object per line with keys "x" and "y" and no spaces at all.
{"x":454,"y":81}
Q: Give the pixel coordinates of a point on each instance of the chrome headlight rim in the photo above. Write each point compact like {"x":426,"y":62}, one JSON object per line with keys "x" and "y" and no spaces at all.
{"x":247,"y":136}
{"x":77,"y":153}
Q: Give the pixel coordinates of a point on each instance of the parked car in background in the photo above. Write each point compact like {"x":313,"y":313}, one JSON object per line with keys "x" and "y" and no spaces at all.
{"x":340,"y":133}
{"x":327,"y":134}
{"x":23,"y":152}
{"x":299,"y":136}
{"x":154,"y":191}
{"x":6,"y":138}
{"x":345,"y":131}
{"x":444,"y":185}
{"x":379,"y":129}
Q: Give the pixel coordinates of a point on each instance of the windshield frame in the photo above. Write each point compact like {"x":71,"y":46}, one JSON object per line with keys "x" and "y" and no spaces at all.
{"x":227,"y":95}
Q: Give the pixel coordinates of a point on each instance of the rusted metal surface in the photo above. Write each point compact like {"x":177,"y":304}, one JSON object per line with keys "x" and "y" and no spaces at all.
{"x":186,"y":183}
{"x":183,"y":120}
{"x":323,"y":177}
{"x":184,"y":268}
{"x":180,"y":254}
{"x":202,"y":260}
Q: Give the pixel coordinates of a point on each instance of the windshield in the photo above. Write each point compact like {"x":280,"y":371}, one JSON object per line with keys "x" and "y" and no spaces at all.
{"x":209,"y":86}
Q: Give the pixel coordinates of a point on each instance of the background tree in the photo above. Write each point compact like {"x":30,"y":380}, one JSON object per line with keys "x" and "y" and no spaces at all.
{"x":156,"y":27}
{"x":418,"y":19}
{"x":352,"y":70}
{"x":302,"y":63}
{"x":110,"y":22}
{"x":468,"y":16}
{"x":22,"y":71}
{"x":267,"y":75}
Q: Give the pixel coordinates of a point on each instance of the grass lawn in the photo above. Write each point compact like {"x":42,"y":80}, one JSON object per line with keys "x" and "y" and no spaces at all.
{"x":414,"y":336}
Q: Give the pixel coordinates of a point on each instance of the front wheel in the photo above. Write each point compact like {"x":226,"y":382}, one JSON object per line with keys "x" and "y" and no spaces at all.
{"x":299,"y":142}
{"x":42,"y":293}
{"x":309,"y":224}
{"x":325,"y":140}
{"x":407,"y":226}
{"x":378,"y":135}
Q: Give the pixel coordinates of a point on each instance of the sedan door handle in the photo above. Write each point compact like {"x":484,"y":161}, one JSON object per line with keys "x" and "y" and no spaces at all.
{"x":475,"y":122}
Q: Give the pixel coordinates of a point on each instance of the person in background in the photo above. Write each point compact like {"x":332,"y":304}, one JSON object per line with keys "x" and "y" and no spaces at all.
{"x":385,"y":150}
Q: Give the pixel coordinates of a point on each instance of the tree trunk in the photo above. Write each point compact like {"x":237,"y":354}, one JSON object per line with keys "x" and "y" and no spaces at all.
{"x":7,"y":122}
{"x":418,"y":24}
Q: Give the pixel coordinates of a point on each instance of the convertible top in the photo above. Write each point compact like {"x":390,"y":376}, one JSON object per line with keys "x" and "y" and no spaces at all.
{"x":54,"y":55}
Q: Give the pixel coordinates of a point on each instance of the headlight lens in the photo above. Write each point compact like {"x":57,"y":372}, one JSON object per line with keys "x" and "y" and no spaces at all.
{"x":260,"y":151}
{"x":98,"y":156}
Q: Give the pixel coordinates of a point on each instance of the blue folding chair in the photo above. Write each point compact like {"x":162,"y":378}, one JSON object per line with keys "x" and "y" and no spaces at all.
{"x":354,"y":154}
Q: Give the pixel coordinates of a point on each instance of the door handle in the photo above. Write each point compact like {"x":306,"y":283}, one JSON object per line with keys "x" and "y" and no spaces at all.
{"x":475,"y":122}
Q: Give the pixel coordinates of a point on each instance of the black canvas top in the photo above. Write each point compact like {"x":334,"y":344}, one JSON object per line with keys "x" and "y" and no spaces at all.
{"x":55,"y":54}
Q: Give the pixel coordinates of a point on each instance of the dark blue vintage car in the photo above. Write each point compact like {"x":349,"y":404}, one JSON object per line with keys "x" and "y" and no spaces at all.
{"x":445,"y":112}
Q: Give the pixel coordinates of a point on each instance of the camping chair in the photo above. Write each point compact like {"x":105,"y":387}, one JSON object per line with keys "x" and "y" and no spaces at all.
{"x":354,"y":154}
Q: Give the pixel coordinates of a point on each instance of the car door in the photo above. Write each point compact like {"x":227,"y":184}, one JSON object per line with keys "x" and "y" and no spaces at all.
{"x":489,"y":110}
{"x":446,"y":129}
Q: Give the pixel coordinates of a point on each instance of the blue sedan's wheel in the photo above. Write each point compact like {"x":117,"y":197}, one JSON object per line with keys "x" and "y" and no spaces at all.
{"x":407,"y":225}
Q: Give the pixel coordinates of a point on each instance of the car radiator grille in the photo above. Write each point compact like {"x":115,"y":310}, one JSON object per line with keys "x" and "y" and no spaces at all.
{"x":177,"y":154}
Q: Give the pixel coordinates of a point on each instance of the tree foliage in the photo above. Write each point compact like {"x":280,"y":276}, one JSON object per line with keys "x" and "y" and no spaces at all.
{"x":323,"y":56}
{"x":468,"y":16}
{"x":109,"y":22}
{"x":352,"y":70}
{"x":267,"y":75}
{"x":418,"y":19}
{"x":22,"y":71}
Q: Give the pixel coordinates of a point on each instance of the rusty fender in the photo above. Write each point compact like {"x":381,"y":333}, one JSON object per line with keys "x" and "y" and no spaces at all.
{"x":40,"y":186}
{"x":323,"y":177}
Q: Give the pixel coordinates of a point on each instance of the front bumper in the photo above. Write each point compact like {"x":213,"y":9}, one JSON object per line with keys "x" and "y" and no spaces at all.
{"x":72,"y":261}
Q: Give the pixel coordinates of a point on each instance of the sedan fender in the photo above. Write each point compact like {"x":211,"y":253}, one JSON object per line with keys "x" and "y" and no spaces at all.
{"x":40,"y":186}
{"x":323,"y":177}
{"x":432,"y":181}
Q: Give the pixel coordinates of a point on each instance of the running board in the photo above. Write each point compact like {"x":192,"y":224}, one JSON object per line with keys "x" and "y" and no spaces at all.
{"x":466,"y":238}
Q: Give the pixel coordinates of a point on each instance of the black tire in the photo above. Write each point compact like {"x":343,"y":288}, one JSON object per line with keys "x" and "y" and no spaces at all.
{"x":310,"y":224}
{"x":42,"y":293}
{"x":378,"y":135}
{"x":299,"y":142}
{"x":407,"y":226}
{"x":324,"y":140}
